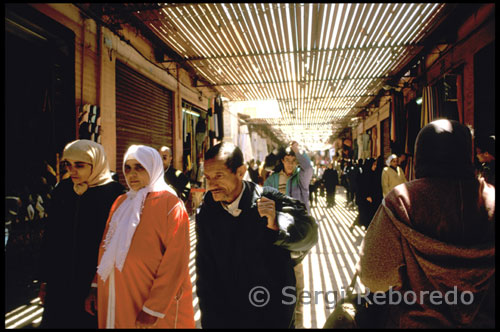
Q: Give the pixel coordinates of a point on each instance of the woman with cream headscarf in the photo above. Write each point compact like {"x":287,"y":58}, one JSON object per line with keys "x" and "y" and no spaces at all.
{"x":76,"y":219}
{"x":392,"y":175}
{"x":143,"y":276}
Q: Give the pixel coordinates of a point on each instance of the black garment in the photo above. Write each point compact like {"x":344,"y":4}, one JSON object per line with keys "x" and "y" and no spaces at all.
{"x":313,"y":191}
{"x":368,"y":186}
{"x":331,"y":180}
{"x":237,"y":254}
{"x":254,"y":174}
{"x":351,"y":177}
{"x":72,"y":236}
{"x":179,"y":182}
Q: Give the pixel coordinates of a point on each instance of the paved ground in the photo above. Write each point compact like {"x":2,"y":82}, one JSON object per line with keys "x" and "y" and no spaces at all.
{"x":328,"y":269}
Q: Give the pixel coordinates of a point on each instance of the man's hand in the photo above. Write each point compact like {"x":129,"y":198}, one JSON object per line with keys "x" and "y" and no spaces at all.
{"x":369,"y":199}
{"x":267,"y":208}
{"x":42,"y":292}
{"x":145,"y":320}
{"x":295,"y":146}
{"x":91,"y":302}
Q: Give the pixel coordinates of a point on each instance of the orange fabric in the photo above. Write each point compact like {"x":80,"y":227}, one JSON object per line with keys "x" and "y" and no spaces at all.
{"x":156,"y":269}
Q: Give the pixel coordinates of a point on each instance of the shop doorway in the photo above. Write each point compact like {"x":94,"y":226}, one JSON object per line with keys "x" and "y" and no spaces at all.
{"x":39,"y":94}
{"x":39,"y":120}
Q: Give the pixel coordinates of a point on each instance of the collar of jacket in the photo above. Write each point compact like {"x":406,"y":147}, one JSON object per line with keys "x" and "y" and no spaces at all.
{"x":251,"y":193}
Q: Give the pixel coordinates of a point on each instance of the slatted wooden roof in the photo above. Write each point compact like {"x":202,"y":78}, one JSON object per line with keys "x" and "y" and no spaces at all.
{"x":322,"y":62}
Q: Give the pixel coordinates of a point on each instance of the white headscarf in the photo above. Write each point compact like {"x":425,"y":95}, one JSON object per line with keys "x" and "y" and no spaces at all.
{"x":389,"y":159}
{"x":127,"y":217}
{"x":92,"y":153}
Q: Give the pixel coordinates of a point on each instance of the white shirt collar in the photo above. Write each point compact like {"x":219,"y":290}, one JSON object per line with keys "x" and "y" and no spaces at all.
{"x":232,"y":208}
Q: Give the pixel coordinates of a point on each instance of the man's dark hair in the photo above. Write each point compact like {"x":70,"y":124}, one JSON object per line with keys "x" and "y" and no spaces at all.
{"x":228,"y":152}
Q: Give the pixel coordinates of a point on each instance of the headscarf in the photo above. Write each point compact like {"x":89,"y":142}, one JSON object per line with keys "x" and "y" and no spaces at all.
{"x":127,"y":216}
{"x":367,"y":166}
{"x":389,"y":159}
{"x":443,"y":148}
{"x":93,"y":153}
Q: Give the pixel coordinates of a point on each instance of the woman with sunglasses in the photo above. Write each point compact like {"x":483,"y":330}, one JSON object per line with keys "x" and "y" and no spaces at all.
{"x":76,"y":221}
{"x":143,"y":276}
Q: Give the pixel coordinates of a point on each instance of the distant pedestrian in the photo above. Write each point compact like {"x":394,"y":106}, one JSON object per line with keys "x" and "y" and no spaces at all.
{"x":253,"y":171}
{"x":370,"y":193}
{"x":330,"y":180}
{"x":174,"y":177}
{"x":313,"y":191}
{"x":392,"y":175}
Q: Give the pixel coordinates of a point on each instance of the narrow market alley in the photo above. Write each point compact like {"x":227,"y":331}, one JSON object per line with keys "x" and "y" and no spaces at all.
{"x":328,"y":268}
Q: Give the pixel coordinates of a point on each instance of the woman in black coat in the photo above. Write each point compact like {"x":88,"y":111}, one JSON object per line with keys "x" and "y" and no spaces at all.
{"x":76,"y":220}
{"x":370,"y":192}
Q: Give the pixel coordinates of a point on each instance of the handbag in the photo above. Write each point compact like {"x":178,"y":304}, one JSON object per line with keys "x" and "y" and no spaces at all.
{"x":356,"y":311}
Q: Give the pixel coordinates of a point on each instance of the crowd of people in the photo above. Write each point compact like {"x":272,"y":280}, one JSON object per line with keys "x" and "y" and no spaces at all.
{"x":116,"y":257}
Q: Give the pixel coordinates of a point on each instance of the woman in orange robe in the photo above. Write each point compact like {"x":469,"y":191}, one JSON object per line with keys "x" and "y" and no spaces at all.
{"x":143,"y":275}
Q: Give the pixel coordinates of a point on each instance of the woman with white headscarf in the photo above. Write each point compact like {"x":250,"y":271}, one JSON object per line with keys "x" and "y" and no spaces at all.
{"x":392,"y":175}
{"x":143,"y":276}
{"x":76,"y":220}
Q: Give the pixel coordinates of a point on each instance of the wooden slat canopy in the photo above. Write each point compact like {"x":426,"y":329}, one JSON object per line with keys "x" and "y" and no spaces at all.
{"x":322,"y":62}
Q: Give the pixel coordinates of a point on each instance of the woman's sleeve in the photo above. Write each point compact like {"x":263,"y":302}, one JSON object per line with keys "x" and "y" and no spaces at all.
{"x":173,"y":269}
{"x":306,"y":171}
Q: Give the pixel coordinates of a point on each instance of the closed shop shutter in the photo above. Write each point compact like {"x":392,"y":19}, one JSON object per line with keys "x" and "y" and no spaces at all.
{"x":144,"y":112}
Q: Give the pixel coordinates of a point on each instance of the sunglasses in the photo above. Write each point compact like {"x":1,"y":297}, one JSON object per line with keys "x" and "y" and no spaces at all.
{"x":77,"y":165}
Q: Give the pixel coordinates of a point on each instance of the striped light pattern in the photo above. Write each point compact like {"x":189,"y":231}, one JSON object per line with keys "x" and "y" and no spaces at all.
{"x":323,"y":62}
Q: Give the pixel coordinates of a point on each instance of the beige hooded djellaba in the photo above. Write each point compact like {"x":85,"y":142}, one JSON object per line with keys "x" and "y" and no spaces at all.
{"x":435,"y":235}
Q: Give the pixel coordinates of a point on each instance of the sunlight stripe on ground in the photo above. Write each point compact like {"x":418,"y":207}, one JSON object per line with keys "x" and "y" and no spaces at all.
{"x":330,"y":265}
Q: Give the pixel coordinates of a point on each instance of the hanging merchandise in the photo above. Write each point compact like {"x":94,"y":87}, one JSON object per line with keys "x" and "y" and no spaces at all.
{"x":195,"y":136}
{"x":374,"y":151}
{"x":218,"y":110}
{"x":89,"y":121}
{"x":361,"y":151}
{"x":413,"y":121}
{"x":430,"y":105}
{"x":216,"y":126}
{"x":211,"y":126}
{"x":355,"y":148}
{"x":201,"y":133}
{"x":398,"y":124}
{"x":245,"y":144}
{"x":366,"y":145}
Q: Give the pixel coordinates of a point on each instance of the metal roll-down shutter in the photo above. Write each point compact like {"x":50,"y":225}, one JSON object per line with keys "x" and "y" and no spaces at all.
{"x":144,"y":113}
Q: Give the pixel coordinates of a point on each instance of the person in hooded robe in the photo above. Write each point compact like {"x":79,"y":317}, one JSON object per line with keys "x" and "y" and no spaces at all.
{"x":76,"y":219}
{"x":432,"y":240}
{"x":142,"y":277}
